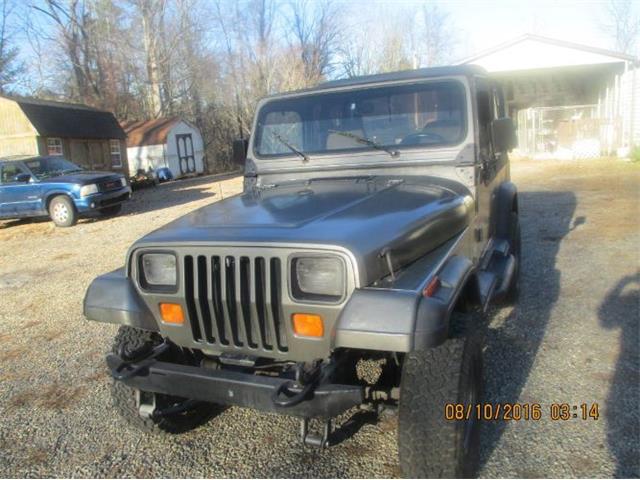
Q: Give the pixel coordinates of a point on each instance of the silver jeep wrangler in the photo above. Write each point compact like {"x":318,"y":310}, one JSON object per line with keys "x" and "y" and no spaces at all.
{"x":377,"y":222}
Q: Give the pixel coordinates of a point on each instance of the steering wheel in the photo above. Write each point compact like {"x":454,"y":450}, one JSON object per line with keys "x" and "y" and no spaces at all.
{"x":422,"y":137}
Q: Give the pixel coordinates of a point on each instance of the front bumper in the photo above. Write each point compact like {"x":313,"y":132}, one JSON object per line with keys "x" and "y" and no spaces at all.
{"x":102,"y":200}
{"x":230,"y":387}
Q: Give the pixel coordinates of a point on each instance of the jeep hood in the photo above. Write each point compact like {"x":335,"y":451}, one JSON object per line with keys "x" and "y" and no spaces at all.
{"x":406,"y":217}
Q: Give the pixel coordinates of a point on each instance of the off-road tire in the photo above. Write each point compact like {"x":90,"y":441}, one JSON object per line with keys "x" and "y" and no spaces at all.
{"x":511,"y":297}
{"x":112,"y":210}
{"x":430,"y":446}
{"x":62,"y":211}
{"x":124,"y":397}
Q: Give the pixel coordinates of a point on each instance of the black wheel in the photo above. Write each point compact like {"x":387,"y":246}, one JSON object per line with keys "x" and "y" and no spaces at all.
{"x":125,"y":398}
{"x":430,"y":445}
{"x":112,"y":210}
{"x":62,"y":211}
{"x":513,"y":293}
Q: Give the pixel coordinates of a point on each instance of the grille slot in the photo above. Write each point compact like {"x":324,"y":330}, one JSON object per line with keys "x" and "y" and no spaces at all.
{"x":235,"y":301}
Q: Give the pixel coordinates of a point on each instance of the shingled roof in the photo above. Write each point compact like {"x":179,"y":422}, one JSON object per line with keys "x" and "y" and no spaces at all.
{"x":149,"y":132}
{"x":69,"y":120}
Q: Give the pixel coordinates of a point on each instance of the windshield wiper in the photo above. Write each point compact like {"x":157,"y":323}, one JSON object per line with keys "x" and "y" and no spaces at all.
{"x":304,"y":156}
{"x":367,"y":141}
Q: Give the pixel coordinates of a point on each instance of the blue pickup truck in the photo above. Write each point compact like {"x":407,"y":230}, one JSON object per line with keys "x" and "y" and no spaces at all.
{"x":58,"y":188}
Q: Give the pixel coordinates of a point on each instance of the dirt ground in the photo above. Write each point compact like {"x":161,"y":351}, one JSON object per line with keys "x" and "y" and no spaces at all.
{"x":573,"y":338}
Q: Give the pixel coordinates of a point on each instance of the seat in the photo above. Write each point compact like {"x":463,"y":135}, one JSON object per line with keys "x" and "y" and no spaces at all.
{"x":335,"y":141}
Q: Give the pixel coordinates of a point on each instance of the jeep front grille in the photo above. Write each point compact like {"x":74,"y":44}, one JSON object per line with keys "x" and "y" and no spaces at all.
{"x":236,"y":301}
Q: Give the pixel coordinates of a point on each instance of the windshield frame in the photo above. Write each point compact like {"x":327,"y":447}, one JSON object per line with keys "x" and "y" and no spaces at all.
{"x":461,"y":81}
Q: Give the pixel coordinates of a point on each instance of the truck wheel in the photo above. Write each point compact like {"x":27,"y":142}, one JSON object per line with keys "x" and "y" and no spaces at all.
{"x":430,"y":445}
{"x":112,"y":210}
{"x":513,"y":293}
{"x":62,"y":211}
{"x":124,"y":397}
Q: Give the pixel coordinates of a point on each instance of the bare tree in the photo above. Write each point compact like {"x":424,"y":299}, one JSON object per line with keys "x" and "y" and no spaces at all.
{"x":438,"y":37}
{"x":152,"y":16}
{"x":622,"y":23}
{"x":316,"y":32}
{"x":69,"y":22}
{"x":9,"y":67}
{"x":356,"y":56}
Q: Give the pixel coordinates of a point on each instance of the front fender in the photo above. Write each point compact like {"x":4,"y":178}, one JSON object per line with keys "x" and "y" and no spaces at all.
{"x":112,"y":298}
{"x":402,"y":320}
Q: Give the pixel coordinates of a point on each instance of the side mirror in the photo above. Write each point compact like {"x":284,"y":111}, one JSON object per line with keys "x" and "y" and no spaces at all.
{"x":22,"y":178}
{"x":504,"y":134}
{"x":240,"y":147}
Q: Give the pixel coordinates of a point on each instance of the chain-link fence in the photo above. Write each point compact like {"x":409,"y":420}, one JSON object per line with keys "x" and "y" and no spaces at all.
{"x":568,"y":132}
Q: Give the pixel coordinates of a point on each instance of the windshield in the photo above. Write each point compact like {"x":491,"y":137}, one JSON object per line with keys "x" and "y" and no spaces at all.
{"x":46,"y":167}
{"x":387,"y":118}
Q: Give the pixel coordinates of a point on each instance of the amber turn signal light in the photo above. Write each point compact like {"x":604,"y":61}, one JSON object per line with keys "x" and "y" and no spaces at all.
{"x":172,"y":313}
{"x":308,"y":325}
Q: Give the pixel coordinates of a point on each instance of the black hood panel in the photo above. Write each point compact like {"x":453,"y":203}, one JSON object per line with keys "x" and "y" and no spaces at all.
{"x":409,"y":217}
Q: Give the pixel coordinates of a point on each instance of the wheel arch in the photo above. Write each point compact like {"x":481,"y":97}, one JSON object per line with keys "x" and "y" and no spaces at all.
{"x":49,"y":196}
{"x":419,"y":320}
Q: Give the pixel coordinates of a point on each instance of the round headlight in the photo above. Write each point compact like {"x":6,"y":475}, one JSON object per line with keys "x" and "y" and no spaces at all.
{"x":318,"y":278}
{"x":159,"y":269}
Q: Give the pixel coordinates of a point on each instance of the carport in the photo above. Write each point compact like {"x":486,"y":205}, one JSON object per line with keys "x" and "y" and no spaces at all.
{"x":569,"y":100}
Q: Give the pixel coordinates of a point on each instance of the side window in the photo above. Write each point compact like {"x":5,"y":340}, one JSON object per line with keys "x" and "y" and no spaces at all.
{"x":116,"y":156}
{"x":484,"y":100}
{"x":54,"y":146}
{"x":498,"y":102}
{"x":8,"y":172}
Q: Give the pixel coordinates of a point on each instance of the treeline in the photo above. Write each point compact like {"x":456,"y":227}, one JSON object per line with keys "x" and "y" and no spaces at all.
{"x":207,"y":60}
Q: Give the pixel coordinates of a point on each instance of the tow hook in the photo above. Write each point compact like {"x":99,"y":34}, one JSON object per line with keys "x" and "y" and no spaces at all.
{"x":291,"y":393}
{"x":319,"y":439}
{"x":124,"y":366}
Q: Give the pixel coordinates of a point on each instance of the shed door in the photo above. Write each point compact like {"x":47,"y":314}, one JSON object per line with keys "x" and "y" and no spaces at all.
{"x":89,"y":155}
{"x":185,"y":153}
{"x":80,"y":154}
{"x":96,"y":156}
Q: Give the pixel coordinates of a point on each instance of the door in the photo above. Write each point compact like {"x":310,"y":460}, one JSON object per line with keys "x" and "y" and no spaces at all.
{"x":96,"y":155}
{"x":186,"y":160}
{"x":80,"y":154}
{"x":18,"y":198}
{"x":490,"y":164}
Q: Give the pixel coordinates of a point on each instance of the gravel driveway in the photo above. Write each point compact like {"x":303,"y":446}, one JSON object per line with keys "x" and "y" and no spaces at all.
{"x":573,"y":338}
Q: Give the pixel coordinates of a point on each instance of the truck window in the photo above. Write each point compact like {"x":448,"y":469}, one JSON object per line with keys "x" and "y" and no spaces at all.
{"x":8,"y":172}
{"x":423,"y":115}
{"x":485,"y":104}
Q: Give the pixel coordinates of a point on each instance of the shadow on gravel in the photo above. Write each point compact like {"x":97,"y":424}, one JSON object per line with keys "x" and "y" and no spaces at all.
{"x":353,"y":425}
{"x":171,"y":194}
{"x":620,"y":310}
{"x":546,"y":218}
{"x":177,"y":192}
{"x":22,"y":221}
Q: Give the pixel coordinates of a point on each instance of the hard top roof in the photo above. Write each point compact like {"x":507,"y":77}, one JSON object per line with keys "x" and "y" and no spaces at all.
{"x":417,"y":74}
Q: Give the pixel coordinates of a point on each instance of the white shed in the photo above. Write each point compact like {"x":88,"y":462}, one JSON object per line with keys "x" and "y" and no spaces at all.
{"x":569,"y":100}
{"x":165,"y":142}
